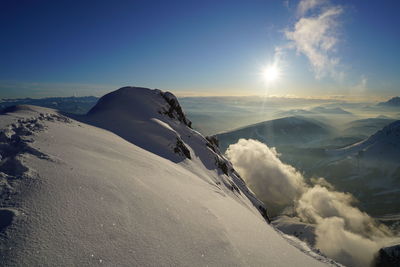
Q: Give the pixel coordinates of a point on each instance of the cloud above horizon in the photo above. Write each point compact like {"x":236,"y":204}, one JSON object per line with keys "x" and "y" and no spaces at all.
{"x":306,"y":5}
{"x":316,"y":35}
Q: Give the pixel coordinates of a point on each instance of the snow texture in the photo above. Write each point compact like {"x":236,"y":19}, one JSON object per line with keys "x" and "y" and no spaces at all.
{"x":130,"y":184}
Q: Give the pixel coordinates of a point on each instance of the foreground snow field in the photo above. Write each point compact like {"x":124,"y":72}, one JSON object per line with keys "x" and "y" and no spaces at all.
{"x":130,"y":184}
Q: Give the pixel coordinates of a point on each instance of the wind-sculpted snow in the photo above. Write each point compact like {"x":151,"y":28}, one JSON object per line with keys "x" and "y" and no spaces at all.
{"x":138,"y":187}
{"x":339,"y":229}
{"x":154,"y":121}
{"x":15,"y":140}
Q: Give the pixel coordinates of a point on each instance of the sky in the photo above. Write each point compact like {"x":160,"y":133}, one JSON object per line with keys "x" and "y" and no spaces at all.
{"x":318,"y":48}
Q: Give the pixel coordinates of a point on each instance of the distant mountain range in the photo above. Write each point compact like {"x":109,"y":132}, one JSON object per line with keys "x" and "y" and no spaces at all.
{"x":320,"y":110}
{"x":369,"y":169}
{"x":383,"y":146}
{"x":295,"y":112}
{"x":368,"y":165}
{"x":75,"y":105}
{"x":325,"y":110}
{"x":393,"y":102}
{"x":284,"y":131}
{"x":366,"y":127}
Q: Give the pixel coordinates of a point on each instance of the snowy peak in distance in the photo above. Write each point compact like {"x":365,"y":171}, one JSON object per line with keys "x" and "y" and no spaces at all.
{"x":325,"y":110}
{"x":383,"y":146}
{"x":289,"y":130}
{"x":393,"y":102}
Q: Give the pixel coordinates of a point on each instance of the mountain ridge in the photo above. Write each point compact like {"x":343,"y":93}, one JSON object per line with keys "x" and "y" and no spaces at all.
{"x":393,"y":102}
{"x":288,"y":130}
{"x":88,"y":195}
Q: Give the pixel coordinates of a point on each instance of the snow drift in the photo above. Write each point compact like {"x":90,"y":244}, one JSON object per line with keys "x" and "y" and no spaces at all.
{"x":130,"y":184}
{"x":326,"y":218}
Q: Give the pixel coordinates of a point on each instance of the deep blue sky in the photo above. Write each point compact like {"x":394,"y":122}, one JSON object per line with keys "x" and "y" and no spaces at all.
{"x":219,"y":47}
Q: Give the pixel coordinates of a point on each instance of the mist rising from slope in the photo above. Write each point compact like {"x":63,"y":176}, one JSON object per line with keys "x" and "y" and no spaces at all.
{"x":275,"y":183}
{"x":343,"y":232}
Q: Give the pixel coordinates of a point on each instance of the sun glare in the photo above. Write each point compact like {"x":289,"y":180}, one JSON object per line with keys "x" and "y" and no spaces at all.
{"x":271,"y":73}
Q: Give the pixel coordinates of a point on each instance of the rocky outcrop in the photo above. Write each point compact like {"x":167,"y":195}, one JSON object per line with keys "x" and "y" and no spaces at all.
{"x":388,"y":256}
{"x":175,"y":110}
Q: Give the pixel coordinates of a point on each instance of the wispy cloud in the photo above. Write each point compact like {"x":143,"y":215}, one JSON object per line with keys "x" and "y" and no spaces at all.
{"x":362,"y":85}
{"x":315,"y":35}
{"x":307,"y":5}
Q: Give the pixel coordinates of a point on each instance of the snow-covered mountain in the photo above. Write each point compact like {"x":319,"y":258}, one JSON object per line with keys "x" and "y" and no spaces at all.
{"x":295,"y":112}
{"x":327,"y":110}
{"x":366,"y":127}
{"x":129,"y":184}
{"x":76,"y":105}
{"x":393,"y":102}
{"x":369,"y":169}
{"x":284,"y":131}
{"x":381,"y":147}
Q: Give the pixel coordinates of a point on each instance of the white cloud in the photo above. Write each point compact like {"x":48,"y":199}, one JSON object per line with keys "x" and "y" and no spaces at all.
{"x":319,"y":203}
{"x":343,"y":232}
{"x":316,"y":36}
{"x":307,"y":5}
{"x":362,"y":85}
{"x":338,"y":243}
{"x":276,"y":183}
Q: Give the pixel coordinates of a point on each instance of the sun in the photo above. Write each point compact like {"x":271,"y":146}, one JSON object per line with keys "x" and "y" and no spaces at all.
{"x":271,"y":73}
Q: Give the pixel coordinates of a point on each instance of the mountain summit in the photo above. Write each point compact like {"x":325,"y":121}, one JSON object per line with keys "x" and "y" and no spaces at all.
{"x":128,"y":184}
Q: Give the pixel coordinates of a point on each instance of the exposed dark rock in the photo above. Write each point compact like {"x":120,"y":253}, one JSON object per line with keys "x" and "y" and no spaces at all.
{"x":212,"y":143}
{"x":213,"y":140}
{"x":181,"y":148}
{"x":6,"y":218}
{"x":264,"y":213}
{"x":222,"y":165}
{"x":175,"y":110}
{"x":388,"y":257}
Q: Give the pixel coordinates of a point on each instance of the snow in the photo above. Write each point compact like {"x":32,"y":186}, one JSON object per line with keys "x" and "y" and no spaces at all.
{"x":111,"y":188}
{"x":294,"y":227}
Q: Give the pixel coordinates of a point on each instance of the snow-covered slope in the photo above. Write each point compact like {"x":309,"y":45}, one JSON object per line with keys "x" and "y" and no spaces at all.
{"x":383,"y":146}
{"x":369,"y":169}
{"x":366,"y":127}
{"x":283,"y":131}
{"x":131,"y":184}
{"x":393,"y":102}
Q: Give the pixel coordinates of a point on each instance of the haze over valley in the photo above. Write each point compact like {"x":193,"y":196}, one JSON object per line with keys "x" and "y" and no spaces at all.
{"x":200,"y":133}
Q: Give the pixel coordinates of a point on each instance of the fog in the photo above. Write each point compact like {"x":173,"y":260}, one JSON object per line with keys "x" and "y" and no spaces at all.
{"x":343,"y":232}
{"x":275,"y":183}
{"x":212,"y":115}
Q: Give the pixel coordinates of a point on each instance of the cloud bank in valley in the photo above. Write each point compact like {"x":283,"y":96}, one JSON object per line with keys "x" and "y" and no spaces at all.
{"x":343,"y":232}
